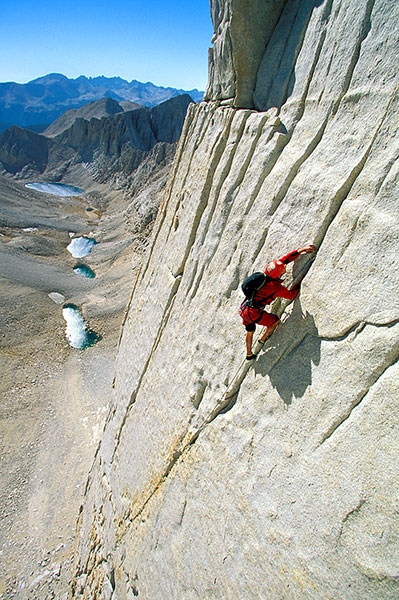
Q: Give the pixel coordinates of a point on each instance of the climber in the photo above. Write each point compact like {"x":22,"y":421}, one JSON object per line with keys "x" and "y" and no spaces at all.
{"x":271,"y":287}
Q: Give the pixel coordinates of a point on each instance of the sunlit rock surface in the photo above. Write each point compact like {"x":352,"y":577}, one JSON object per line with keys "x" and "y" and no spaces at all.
{"x":288,"y":488}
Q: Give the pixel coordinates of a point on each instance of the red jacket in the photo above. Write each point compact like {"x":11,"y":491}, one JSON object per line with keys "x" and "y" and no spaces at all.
{"x":273,"y":289}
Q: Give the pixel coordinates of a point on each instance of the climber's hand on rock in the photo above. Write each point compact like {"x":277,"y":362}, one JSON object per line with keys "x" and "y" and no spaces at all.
{"x":307,"y":249}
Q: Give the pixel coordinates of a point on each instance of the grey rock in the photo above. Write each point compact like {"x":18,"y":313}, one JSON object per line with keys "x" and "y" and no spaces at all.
{"x":242,"y":32}
{"x":288,"y":487}
{"x":93,"y":110}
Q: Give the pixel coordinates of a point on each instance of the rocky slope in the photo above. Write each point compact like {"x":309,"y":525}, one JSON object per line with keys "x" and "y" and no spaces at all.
{"x":92,"y":110}
{"x":278,"y":479}
{"x":111,"y":146}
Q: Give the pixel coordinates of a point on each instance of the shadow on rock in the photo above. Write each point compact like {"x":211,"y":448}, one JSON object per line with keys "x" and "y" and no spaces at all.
{"x":288,"y":361}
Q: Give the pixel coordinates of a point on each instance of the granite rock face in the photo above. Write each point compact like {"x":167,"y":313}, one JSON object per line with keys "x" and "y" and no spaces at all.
{"x":277,"y":479}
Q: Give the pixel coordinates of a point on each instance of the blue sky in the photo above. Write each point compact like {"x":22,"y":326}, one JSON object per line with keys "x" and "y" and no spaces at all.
{"x":165,"y":42}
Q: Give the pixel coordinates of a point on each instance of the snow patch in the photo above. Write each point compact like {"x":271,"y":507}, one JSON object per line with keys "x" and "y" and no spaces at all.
{"x":81,"y":246}
{"x":76,"y":329}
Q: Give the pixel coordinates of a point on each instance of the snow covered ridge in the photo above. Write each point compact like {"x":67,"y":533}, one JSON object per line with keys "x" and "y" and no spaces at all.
{"x":56,"y":189}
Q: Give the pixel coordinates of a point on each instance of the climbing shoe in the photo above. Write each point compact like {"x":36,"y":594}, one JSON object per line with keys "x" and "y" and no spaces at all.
{"x":251,"y":356}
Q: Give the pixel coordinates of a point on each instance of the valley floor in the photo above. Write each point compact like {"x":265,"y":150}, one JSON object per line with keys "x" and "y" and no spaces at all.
{"x":53,"y":398}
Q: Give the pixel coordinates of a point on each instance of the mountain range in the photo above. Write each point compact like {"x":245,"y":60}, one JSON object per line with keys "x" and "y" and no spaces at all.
{"x":38,"y":103}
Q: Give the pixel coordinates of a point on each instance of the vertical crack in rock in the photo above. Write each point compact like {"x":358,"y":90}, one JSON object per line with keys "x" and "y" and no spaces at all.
{"x":226,"y":207}
{"x":276,"y":74}
{"x":282,"y":140}
{"x":253,"y":148}
{"x":228,"y":200}
{"x":167,"y":312}
{"x":181,"y":447}
{"x":127,"y":310}
{"x":284,"y":45}
{"x":302,"y":102}
{"x":189,"y":124}
{"x":285,"y":139}
{"x":182,"y":513}
{"x":96,"y":556}
{"x":380,"y":183}
{"x":215,"y":197}
{"x":285,"y":90}
{"x":216,"y":154}
{"x":211,"y":108}
{"x":293,"y":172}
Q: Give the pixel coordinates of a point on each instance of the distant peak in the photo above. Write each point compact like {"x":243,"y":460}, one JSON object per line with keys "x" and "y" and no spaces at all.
{"x":50,"y":77}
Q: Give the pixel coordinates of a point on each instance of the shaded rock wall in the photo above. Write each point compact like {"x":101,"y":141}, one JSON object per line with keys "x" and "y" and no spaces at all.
{"x":116,"y":143}
{"x":242,"y":30}
{"x":288,"y":488}
{"x":92,"y":110}
{"x":20,"y":147}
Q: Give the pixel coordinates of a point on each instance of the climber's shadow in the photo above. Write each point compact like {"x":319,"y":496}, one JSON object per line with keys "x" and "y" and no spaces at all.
{"x":290,"y":353}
